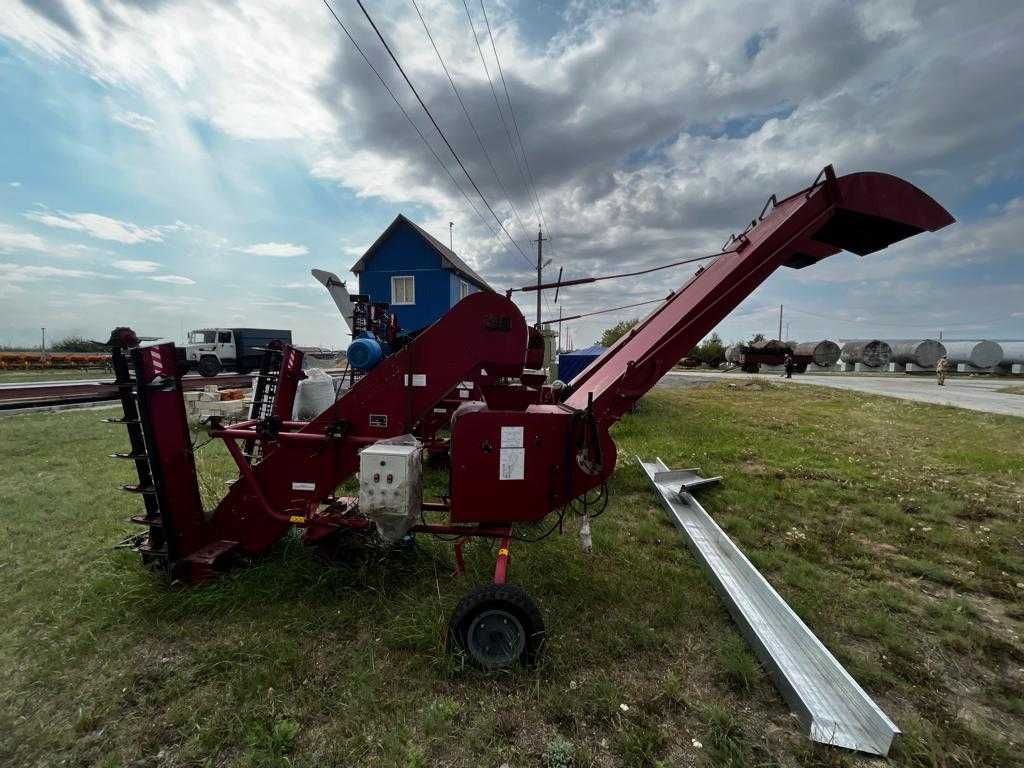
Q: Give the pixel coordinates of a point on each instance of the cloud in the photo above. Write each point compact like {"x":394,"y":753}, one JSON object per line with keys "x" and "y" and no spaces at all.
{"x":174,"y":279}
{"x":100,"y":227}
{"x":136,"y":121}
{"x":30,"y":273}
{"x":13,"y":240}
{"x":14,"y":184}
{"x":282,"y":250}
{"x":138,"y":267}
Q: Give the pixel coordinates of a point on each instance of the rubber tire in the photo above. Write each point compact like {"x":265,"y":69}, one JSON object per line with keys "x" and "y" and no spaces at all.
{"x":506,"y":597}
{"x":208,"y":366}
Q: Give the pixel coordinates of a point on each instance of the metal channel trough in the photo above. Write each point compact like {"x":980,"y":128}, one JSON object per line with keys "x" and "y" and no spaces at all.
{"x":832,"y":708}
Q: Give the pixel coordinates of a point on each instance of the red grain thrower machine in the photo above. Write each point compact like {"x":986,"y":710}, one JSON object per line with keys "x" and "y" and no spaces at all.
{"x":519,"y":454}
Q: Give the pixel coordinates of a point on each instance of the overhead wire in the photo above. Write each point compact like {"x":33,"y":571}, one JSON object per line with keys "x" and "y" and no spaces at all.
{"x":497,"y":105}
{"x":469,"y":119}
{"x":635,"y":273}
{"x":437,"y":127}
{"x":408,"y":117}
{"x":512,"y":112}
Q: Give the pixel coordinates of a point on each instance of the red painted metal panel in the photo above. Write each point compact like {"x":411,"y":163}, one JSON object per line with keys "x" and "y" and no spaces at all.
{"x":483,"y":331}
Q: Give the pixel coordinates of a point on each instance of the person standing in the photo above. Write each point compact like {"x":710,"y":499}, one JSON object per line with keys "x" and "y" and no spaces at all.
{"x":940,"y":370}
{"x":789,"y":365}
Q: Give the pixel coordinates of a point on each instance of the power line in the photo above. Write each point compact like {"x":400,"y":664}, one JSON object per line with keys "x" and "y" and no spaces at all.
{"x":469,"y":119}
{"x":436,"y":126}
{"x":423,"y":138}
{"x":588,"y":280}
{"x":501,"y":115}
{"x":600,"y":311}
{"x":515,"y":123}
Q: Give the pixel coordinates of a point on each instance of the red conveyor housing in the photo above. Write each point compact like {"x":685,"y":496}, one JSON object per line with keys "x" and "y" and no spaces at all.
{"x":861,"y":213}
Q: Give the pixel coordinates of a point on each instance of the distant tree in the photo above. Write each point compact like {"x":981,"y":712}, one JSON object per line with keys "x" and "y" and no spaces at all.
{"x":757,"y":338}
{"x":77,"y":344}
{"x":711,"y":351}
{"x":616,"y":332}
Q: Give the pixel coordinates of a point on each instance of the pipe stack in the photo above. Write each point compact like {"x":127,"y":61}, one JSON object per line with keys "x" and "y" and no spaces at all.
{"x":873,"y":353}
{"x":823,"y":353}
{"x":977,"y":354}
{"x":924,"y":353}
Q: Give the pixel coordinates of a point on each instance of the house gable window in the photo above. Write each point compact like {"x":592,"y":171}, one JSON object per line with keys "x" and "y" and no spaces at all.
{"x":464,"y":289}
{"x":403,"y":290}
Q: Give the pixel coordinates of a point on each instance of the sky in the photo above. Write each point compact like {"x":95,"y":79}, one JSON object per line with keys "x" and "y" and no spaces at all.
{"x":173,"y":164}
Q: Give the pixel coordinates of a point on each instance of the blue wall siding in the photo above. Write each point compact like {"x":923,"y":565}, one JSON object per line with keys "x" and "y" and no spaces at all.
{"x":405,"y":253}
{"x":456,"y":284}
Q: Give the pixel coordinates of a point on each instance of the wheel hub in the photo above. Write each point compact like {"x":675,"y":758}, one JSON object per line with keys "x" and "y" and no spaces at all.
{"x":496,"y":638}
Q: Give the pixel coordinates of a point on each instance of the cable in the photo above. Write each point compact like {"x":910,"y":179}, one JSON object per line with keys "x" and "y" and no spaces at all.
{"x":600,"y":311}
{"x":423,"y":138}
{"x":511,"y":111}
{"x":436,"y":126}
{"x":497,"y":105}
{"x":588,"y":280}
{"x":469,"y":119}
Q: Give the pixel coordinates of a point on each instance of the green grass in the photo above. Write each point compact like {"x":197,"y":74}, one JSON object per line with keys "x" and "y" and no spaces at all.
{"x":55,"y":374}
{"x":896,"y":530}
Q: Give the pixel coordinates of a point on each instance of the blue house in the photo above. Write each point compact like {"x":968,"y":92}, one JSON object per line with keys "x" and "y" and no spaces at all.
{"x":420,"y":277}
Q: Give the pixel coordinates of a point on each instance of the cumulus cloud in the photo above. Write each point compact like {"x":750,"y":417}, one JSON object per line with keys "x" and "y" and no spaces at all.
{"x":100,"y":227}
{"x":138,"y":267}
{"x":13,"y":240}
{"x":14,"y":184}
{"x":645,"y":142}
{"x":281,"y":250}
{"x":174,"y":279}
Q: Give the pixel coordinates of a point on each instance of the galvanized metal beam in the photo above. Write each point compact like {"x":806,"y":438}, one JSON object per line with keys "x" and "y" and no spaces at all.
{"x":832,"y":708}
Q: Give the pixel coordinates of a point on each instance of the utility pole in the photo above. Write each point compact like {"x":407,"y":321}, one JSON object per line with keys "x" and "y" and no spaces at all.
{"x":779,"y":337}
{"x":540,"y":267}
{"x":451,"y":236}
{"x":559,"y":330}
{"x":787,"y":332}
{"x":42,"y":347}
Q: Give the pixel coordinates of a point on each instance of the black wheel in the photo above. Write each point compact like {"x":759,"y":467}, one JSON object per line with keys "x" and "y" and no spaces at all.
{"x":497,"y":626}
{"x":209,"y":366}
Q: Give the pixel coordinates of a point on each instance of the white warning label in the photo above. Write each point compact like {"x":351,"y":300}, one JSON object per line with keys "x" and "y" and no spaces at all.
{"x":511,"y":464}
{"x":512,"y":437}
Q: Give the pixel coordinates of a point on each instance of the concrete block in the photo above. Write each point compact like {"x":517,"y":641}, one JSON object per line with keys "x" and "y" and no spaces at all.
{"x":862,"y":368}
{"x":1017,"y":368}
{"x":912,"y":368}
{"x":842,"y":367}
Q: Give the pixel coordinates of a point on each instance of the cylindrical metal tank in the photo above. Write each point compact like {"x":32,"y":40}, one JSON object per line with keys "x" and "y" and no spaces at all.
{"x":824,"y":353}
{"x":871,"y":352}
{"x":1013,"y":353}
{"x":924,"y":353}
{"x":978,"y":354}
{"x":734,"y":354}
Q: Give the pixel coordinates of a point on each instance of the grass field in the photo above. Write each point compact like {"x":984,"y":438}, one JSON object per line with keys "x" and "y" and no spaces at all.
{"x":895,"y":530}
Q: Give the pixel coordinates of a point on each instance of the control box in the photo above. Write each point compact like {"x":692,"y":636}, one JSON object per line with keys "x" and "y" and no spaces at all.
{"x":391,"y":484}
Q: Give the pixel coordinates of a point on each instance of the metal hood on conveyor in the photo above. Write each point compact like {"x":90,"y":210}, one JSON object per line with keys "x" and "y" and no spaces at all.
{"x":860,"y":212}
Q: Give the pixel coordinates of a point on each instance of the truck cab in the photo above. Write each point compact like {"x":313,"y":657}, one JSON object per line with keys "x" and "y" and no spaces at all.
{"x":212,"y":350}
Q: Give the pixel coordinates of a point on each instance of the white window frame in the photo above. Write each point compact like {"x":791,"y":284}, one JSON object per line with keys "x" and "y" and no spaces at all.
{"x":409,"y":300}
{"x":464,"y":289}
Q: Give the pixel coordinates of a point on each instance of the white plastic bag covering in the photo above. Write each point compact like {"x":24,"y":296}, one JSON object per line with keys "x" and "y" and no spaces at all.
{"x":314,"y":396}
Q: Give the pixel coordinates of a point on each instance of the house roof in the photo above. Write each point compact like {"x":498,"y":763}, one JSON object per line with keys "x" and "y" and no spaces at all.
{"x":449,"y":259}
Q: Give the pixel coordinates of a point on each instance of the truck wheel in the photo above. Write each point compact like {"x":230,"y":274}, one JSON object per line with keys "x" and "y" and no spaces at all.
{"x":209,"y":365}
{"x":497,"y":626}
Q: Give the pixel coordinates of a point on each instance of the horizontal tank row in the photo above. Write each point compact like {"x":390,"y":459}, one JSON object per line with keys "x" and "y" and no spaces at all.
{"x":879,"y":354}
